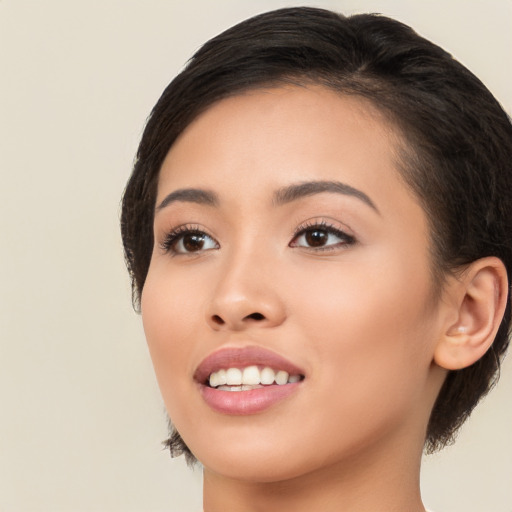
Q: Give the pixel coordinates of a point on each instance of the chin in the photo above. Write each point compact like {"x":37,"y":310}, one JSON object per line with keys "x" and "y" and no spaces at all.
{"x":253,"y":467}
{"x":256,"y":457}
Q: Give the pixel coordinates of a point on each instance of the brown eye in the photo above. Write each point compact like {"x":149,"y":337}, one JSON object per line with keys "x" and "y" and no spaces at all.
{"x":316,"y":237}
{"x":188,"y":241}
{"x":193,"y":242}
{"x":322,"y":238}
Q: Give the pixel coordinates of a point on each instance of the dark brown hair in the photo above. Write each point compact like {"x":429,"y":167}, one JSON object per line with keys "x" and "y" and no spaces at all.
{"x":457,"y":154}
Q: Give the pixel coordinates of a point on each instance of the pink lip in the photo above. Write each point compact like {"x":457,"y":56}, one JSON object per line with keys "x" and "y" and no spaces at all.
{"x":241,"y":357}
{"x":245,"y":402}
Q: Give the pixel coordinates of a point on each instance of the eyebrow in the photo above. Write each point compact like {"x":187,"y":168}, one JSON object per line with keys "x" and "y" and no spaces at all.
{"x":282,"y":196}
{"x":190,"y":195}
{"x":309,"y":188}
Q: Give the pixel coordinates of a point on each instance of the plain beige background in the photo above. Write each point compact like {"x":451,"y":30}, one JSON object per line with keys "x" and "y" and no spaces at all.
{"x":81,"y":418}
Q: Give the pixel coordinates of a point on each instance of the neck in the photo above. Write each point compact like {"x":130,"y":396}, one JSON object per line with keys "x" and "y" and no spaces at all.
{"x":372,"y":483}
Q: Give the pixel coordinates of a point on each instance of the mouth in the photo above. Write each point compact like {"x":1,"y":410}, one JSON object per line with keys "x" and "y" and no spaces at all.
{"x":247,"y":380}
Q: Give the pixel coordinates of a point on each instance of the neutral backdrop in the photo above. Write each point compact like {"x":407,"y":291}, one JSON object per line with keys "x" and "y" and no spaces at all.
{"x":81,"y":419}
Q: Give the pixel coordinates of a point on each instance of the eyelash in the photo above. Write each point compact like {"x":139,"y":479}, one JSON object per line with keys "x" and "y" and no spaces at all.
{"x":168,"y":245}
{"x":346,"y":239}
{"x":175,"y":236}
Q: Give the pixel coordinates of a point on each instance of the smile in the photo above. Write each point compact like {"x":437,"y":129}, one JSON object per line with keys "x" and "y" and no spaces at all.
{"x":247,"y":380}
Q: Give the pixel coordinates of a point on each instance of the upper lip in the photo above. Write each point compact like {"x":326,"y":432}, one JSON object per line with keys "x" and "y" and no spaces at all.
{"x":225,"y":358}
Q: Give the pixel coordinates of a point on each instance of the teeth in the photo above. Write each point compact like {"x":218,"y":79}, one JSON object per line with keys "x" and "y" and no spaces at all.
{"x":221,"y":377}
{"x":238,"y":388}
{"x":281,"y":377}
{"x":267,"y":376}
{"x":250,"y":377}
{"x":233,"y":377}
{"x":213,"y":380}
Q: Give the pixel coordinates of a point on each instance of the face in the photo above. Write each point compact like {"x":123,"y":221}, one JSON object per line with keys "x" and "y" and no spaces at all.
{"x":285,"y":239}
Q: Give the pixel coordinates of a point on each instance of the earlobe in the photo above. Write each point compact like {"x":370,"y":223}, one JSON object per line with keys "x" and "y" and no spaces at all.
{"x":479,"y":298}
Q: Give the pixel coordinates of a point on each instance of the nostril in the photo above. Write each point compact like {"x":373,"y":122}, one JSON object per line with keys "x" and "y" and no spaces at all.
{"x":218,"y":320}
{"x":255,"y":316}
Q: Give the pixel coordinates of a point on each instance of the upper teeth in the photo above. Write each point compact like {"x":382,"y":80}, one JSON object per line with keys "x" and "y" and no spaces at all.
{"x":251,"y":375}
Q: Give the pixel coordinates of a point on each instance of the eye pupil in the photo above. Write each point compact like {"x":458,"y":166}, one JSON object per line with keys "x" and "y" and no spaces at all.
{"x":193,"y":242}
{"x":316,"y":237}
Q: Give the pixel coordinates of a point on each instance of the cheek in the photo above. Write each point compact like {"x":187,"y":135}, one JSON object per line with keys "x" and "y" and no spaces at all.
{"x":371,"y":327}
{"x":169,"y":314}
{"x":372,"y":362}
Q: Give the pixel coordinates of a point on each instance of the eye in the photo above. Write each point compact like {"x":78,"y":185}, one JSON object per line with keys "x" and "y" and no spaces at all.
{"x":186,"y":240}
{"x":321,"y":237}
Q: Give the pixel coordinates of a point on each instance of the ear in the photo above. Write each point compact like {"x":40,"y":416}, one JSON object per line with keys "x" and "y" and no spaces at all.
{"x":478,"y":300}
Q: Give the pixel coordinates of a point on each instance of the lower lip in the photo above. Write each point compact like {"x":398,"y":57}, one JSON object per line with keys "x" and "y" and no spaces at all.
{"x":247,"y":402}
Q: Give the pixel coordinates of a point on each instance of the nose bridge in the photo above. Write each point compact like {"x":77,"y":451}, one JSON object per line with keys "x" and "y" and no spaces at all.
{"x":246,"y":291}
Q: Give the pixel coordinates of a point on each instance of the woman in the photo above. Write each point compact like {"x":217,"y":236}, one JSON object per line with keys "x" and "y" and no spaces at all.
{"x":318,"y":231}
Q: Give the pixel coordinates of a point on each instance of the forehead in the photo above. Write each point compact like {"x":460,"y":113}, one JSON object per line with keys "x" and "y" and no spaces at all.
{"x":269,"y":137}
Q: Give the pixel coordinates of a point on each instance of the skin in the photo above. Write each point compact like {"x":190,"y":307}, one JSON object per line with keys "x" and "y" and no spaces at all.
{"x":359,"y":316}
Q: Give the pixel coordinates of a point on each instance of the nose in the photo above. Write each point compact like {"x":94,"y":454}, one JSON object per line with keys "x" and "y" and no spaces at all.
{"x":246,"y":296}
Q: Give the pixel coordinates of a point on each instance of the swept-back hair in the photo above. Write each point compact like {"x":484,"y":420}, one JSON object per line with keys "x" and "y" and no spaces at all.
{"x":456,"y":154}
